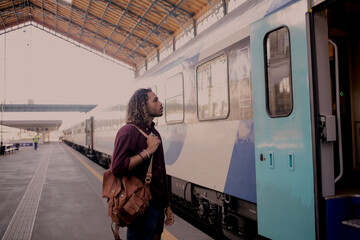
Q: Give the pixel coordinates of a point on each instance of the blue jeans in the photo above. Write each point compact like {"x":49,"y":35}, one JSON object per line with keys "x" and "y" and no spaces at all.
{"x":148,"y":225}
{"x":35,"y":145}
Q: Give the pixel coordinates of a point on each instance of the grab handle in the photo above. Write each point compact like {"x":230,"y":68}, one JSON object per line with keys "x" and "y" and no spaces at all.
{"x":341,"y":162}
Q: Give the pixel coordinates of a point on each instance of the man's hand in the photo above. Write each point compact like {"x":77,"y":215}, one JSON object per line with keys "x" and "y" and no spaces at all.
{"x":153,"y":143}
{"x":169,"y":217}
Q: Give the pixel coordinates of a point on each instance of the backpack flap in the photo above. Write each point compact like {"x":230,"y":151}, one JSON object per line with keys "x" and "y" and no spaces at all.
{"x":111,"y":185}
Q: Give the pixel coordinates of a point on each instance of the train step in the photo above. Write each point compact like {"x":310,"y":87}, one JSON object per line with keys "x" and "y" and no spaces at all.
{"x":350,"y":229}
{"x":352,"y":223}
{"x":343,"y":217}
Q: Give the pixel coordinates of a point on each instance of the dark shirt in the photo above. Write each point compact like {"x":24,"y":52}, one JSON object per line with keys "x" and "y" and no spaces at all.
{"x":129,"y":142}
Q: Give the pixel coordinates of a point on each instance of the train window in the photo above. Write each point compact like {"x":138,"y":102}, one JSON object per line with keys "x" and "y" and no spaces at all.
{"x":278,"y":74}
{"x":115,"y":123}
{"x":102,"y":124}
{"x":212,"y":89}
{"x":108,"y":124}
{"x":239,"y":71}
{"x":174,"y":99}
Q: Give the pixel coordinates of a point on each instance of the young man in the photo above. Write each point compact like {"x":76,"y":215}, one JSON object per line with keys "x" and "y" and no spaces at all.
{"x":131,"y":156}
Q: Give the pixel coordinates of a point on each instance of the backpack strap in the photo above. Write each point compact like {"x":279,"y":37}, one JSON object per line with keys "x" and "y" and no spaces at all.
{"x":142,"y":132}
{"x":149,"y":172}
{"x":115,"y":231}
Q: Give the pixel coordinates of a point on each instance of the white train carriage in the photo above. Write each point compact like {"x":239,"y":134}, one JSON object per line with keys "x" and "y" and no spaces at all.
{"x":261,"y":120}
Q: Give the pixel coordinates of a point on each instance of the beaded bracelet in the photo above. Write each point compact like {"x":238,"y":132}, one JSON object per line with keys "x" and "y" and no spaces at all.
{"x":146,"y":153}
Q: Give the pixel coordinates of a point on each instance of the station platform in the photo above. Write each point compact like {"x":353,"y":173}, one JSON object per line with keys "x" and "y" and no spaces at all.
{"x":54,"y":192}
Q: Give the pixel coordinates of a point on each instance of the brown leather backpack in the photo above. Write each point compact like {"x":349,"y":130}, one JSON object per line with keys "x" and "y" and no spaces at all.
{"x":127,"y":197}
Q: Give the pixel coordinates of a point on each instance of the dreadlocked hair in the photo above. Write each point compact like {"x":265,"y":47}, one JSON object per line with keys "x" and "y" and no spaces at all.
{"x":137,"y":106}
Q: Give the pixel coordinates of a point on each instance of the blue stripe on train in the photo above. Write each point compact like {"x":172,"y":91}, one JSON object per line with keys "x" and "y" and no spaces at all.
{"x":173,"y":142}
{"x":241,"y":181}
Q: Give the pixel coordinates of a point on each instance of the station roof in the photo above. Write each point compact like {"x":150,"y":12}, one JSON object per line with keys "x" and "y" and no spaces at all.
{"x":130,"y":31}
{"x":47,"y":108}
{"x":41,"y":125}
{"x":34,"y":125}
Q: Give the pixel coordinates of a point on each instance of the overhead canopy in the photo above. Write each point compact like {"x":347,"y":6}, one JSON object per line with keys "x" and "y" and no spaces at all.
{"x":47,"y":108}
{"x":40,"y":125}
{"x":34,"y":125}
{"x":131,"y":31}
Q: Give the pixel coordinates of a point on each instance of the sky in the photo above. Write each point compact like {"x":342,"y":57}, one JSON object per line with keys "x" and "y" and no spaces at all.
{"x":35,"y":65}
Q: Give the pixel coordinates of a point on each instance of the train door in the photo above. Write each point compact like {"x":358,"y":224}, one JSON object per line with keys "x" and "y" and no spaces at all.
{"x":282,"y":125}
{"x":89,"y":132}
{"x":337,"y":87}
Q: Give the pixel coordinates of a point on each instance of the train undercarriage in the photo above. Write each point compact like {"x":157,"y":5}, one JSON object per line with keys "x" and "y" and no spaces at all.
{"x":215,"y":213}
{"x":100,"y":158}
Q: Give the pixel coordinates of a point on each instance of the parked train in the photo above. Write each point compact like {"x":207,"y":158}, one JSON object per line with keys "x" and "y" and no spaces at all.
{"x":261,"y":125}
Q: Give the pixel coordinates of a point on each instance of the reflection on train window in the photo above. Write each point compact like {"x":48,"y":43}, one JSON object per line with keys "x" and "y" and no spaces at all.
{"x":239,"y":71}
{"x":174,"y":99}
{"x":278,"y":75}
{"x":212,"y":89}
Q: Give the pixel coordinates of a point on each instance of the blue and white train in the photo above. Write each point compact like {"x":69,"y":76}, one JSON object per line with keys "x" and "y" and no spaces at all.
{"x":261,"y":125}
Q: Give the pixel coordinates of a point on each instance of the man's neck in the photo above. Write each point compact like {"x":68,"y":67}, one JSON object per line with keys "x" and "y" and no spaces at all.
{"x":149,"y":121}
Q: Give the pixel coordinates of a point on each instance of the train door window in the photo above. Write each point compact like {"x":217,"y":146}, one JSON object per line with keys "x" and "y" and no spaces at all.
{"x":239,"y":71}
{"x":213,"y":89}
{"x":278,"y":74}
{"x":174,"y":99}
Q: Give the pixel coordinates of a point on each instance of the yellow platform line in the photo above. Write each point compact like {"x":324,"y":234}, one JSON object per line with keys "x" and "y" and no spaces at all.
{"x":164,"y":236}
{"x":167,"y":235}
{"x":87,"y":166}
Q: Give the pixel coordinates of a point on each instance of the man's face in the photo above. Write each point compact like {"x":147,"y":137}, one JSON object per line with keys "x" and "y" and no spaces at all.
{"x":154,"y":106}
